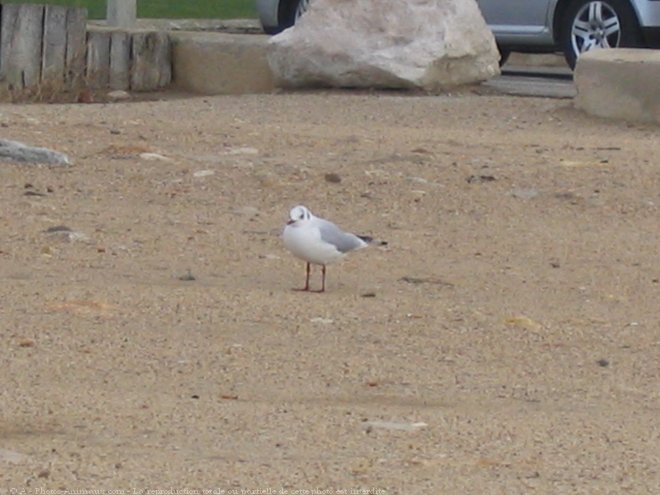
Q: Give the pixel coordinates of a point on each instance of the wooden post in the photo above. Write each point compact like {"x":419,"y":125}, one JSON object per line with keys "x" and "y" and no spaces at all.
{"x":54,"y":46}
{"x":122,"y":13}
{"x":42,"y":48}
{"x":98,"y":58}
{"x":152,"y":61}
{"x":22,"y":38}
{"x":76,"y":47}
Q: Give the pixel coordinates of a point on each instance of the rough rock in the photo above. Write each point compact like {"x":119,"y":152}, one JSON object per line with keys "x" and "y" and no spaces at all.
{"x":64,"y":233}
{"x":119,"y":95}
{"x":394,"y":425}
{"x":15,"y":151}
{"x":433,"y":45}
{"x":151,"y":157}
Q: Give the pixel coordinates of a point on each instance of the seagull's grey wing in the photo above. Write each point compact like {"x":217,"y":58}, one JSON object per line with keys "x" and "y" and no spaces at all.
{"x":343,"y":241}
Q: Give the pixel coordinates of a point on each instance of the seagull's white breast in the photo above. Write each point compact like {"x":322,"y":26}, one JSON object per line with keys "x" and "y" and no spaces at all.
{"x":304,"y":241}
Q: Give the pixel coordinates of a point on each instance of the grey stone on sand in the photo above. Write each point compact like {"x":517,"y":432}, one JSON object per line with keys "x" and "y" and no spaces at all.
{"x":11,"y":457}
{"x":14,"y":151}
{"x":525,"y":193}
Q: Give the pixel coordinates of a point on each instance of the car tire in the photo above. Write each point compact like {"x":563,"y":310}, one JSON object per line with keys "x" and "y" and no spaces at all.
{"x":589,"y":24}
{"x":504,"y":55}
{"x":290,"y":12}
{"x":287,"y":14}
{"x":272,"y":30}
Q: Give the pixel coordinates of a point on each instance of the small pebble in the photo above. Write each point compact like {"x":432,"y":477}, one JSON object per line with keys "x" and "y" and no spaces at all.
{"x":203,"y":173}
{"x":155,"y":157}
{"x":480,"y":179}
{"x":188,"y":277}
{"x":333,"y":178}
{"x":525,"y":193}
{"x":57,"y":228}
{"x":118,"y":95}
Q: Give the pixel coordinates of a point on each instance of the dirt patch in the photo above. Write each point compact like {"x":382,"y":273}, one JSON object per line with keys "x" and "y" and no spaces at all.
{"x":503,"y":340}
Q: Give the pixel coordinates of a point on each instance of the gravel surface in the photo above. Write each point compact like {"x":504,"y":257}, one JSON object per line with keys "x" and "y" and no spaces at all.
{"x":505,"y":340}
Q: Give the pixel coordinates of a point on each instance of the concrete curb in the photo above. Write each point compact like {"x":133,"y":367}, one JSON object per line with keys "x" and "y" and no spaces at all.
{"x":220,"y":63}
{"x":620,"y":83}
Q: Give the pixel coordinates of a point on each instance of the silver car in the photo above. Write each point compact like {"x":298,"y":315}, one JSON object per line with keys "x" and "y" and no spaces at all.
{"x":534,"y":26}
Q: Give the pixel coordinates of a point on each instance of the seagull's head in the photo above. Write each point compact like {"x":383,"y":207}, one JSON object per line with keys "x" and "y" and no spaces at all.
{"x":299,"y":214}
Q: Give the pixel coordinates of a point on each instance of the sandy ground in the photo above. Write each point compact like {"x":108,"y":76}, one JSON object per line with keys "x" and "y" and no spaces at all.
{"x":506,"y":340}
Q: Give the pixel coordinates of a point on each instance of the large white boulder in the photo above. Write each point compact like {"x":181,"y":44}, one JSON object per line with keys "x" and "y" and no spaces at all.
{"x":428,"y":44}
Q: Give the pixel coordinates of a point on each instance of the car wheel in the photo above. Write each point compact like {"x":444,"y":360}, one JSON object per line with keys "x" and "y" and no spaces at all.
{"x":291,"y":10}
{"x":592,"y":24}
{"x":504,"y":55}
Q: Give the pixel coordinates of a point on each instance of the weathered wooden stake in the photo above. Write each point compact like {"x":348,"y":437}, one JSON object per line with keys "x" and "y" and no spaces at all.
{"x":152,"y":55}
{"x":21,"y":40}
{"x":76,"y":47}
{"x":54,"y":47}
{"x":42,"y":47}
{"x":47,"y":49}
{"x":98,"y":58}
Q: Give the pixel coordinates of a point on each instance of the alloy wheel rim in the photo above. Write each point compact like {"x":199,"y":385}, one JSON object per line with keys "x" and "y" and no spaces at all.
{"x":596,"y":25}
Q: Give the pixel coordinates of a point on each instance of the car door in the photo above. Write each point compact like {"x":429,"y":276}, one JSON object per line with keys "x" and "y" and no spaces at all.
{"x":517,"y":19}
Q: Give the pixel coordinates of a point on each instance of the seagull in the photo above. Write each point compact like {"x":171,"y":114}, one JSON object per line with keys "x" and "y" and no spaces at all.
{"x":318,"y":241}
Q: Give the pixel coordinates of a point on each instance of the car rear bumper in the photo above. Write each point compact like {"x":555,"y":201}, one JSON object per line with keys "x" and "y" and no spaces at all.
{"x":651,"y":36}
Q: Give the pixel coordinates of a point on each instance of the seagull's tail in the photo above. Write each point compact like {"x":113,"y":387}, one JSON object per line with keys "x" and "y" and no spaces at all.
{"x":368,"y":240}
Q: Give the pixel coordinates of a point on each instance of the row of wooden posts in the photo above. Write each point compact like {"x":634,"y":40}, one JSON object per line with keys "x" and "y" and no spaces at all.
{"x":52,"y":49}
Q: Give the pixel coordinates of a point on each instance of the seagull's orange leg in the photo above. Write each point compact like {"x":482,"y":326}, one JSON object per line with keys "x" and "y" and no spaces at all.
{"x":322,"y":279}
{"x":306,"y":288}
